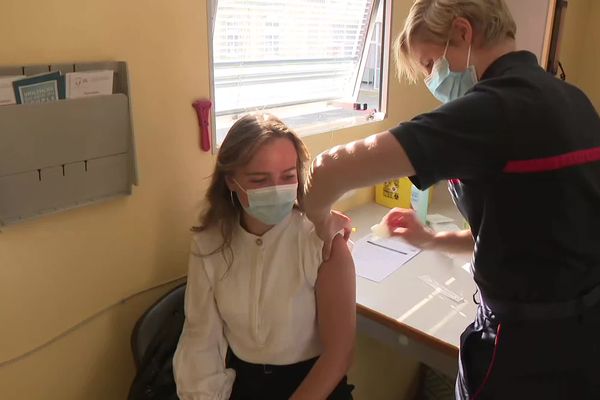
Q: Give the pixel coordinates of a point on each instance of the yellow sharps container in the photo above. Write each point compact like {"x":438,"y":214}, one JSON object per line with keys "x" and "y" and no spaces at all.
{"x":394,"y":193}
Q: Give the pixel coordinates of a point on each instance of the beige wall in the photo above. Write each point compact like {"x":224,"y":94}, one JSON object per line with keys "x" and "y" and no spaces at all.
{"x":573,"y":40}
{"x":589,"y":56}
{"x":60,"y":269}
{"x":92,"y":362}
{"x":579,"y":52}
{"x":382,"y":373}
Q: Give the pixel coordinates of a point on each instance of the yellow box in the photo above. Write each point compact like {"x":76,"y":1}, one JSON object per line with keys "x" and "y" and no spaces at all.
{"x":394,"y":193}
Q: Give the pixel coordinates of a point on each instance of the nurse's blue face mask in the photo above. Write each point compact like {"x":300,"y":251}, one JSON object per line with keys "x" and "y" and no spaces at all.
{"x":447,"y":85}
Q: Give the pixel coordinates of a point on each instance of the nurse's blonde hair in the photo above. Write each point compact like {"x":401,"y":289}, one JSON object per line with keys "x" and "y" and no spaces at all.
{"x":431,"y":21}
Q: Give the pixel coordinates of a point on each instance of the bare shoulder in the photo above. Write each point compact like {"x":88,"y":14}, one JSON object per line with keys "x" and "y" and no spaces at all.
{"x":340,"y":252}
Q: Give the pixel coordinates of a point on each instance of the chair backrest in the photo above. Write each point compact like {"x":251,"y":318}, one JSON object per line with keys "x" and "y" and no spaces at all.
{"x":150,"y":323}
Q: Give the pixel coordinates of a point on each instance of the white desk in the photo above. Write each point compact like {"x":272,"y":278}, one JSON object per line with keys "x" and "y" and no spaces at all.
{"x":406,"y":313}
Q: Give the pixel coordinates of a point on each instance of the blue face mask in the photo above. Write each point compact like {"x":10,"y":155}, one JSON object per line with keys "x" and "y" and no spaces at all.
{"x":272,"y":204}
{"x":446,"y":85}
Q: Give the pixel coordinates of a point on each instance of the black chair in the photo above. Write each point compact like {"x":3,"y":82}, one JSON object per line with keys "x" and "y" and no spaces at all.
{"x":153,"y":343}
{"x":151,"y":322}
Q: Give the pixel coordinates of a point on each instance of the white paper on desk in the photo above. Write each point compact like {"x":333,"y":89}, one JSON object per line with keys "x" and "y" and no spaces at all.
{"x":376,"y":259}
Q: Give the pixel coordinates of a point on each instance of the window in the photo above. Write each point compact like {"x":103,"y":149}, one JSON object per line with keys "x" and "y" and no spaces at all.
{"x":306,"y":61}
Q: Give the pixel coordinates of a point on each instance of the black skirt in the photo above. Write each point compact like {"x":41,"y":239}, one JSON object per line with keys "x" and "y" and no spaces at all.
{"x":275,"y":382}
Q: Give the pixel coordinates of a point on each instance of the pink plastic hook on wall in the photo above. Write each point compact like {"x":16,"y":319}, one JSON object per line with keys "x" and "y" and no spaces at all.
{"x":202,"y":108}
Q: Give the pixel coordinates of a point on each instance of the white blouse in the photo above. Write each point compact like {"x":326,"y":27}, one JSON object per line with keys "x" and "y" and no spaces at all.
{"x":263,"y":306}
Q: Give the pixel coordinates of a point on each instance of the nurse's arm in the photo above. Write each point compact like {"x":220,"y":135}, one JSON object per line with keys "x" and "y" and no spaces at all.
{"x":357,"y":164}
{"x":460,"y":242}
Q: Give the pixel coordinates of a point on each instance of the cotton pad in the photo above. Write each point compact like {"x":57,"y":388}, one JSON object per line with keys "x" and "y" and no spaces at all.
{"x":381,"y":230}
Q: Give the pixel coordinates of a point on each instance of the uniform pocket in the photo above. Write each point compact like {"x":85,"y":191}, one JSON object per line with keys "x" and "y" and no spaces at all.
{"x":476,"y":349}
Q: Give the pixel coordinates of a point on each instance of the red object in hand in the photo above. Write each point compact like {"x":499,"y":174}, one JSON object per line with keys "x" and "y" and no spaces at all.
{"x":395,"y":220}
{"x":202,"y":108}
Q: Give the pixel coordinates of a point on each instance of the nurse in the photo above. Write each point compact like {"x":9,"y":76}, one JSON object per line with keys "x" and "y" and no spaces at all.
{"x":521,"y":152}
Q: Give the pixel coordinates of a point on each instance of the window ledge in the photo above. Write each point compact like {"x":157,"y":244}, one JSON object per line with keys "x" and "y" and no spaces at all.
{"x":325,"y":126}
{"x":309,"y":119}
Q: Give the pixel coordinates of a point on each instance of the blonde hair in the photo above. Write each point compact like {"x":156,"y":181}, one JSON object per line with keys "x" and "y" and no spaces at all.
{"x":244,"y":138}
{"x":431,"y":21}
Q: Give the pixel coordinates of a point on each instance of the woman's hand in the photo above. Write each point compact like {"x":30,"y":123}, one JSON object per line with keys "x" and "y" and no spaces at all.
{"x":404,"y":223}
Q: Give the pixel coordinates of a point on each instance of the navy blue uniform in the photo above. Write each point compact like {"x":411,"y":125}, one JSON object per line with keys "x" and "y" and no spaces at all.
{"x":522,"y":153}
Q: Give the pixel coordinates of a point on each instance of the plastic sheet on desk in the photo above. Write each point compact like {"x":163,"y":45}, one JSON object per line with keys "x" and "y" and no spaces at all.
{"x":438,"y":219}
{"x":445,"y":227}
{"x":442,"y":289}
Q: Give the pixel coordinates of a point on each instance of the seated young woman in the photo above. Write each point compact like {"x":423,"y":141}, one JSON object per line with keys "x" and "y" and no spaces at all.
{"x":267,"y":318}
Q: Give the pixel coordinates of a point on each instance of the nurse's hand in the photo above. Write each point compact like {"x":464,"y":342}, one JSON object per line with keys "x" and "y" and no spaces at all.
{"x":328,"y":226}
{"x":404,"y":223}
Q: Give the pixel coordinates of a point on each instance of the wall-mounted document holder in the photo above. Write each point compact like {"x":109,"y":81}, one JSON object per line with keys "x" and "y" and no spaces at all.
{"x":67,"y":153}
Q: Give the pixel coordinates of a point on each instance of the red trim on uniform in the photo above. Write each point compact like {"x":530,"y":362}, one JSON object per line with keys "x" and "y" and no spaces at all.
{"x":561,"y":161}
{"x":454,"y":181}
